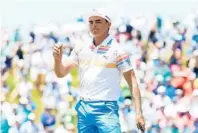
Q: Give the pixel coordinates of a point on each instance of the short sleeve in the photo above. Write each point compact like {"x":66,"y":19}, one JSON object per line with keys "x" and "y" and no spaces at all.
{"x":123,"y":61}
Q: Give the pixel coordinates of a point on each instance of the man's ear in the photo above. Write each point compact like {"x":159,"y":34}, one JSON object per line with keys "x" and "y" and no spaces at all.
{"x":109,"y":24}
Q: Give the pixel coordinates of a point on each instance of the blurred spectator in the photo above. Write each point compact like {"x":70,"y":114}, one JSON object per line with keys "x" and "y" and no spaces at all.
{"x":48,"y":120}
{"x":17,"y":35}
{"x":29,"y":126}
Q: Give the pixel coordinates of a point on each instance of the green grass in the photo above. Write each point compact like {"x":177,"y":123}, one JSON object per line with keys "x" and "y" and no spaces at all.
{"x":36,"y":98}
{"x":75,"y":77}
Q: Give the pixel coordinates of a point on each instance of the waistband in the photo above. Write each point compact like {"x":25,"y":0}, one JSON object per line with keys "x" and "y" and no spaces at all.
{"x":95,"y":100}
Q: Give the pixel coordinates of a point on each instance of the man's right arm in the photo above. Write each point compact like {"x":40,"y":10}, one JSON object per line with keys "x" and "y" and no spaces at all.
{"x":62,"y":69}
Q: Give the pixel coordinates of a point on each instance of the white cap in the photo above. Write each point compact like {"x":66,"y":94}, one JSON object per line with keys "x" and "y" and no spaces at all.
{"x":31,"y":116}
{"x":2,"y":97}
{"x":23,"y":100}
{"x":127,"y":102}
{"x":161,"y":89}
{"x":100,"y":13}
{"x":195,"y":92}
{"x":179,"y":92}
{"x":195,"y":53}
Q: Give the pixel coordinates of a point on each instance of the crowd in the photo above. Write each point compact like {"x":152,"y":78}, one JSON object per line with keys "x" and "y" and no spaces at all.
{"x":164,"y":54}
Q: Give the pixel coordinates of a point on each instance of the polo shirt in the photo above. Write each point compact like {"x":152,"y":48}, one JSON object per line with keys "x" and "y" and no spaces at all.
{"x":100,"y":69}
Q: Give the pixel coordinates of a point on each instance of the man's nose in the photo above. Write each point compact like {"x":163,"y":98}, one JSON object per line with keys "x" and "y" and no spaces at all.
{"x":94,"y":25}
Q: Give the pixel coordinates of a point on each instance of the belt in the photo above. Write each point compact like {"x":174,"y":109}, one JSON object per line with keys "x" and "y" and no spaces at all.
{"x":88,"y":99}
{"x":94,"y":100}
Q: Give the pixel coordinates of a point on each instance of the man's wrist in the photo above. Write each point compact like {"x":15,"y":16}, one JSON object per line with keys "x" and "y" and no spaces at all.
{"x":57,"y":60}
{"x":139,"y":114}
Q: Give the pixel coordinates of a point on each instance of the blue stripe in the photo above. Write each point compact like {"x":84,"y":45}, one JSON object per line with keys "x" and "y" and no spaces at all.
{"x":101,"y":52}
{"x":124,"y":61}
{"x":109,"y":43}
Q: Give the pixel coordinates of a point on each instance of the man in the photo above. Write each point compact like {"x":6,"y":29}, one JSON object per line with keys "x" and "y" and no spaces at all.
{"x":100,"y":66}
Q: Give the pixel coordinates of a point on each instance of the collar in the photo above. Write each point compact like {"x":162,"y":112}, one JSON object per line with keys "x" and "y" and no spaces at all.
{"x":106,"y":42}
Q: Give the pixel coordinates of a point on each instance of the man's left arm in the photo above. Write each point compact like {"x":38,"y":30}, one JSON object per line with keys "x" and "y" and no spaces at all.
{"x":125,"y":67}
{"x":135,"y":92}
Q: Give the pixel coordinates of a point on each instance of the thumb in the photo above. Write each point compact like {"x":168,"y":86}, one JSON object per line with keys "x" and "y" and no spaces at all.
{"x":61,"y":48}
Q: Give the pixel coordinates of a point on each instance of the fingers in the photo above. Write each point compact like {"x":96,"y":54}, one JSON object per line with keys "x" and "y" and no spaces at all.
{"x":57,"y":51}
{"x":58,"y":48}
{"x":59,"y":45}
{"x":141,"y":126}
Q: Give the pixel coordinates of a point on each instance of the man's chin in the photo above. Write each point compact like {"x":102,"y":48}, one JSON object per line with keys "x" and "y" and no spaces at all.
{"x":96,"y":34}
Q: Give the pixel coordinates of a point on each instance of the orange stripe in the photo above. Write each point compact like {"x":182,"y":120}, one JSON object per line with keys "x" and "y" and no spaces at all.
{"x":103,"y":48}
{"x":111,"y":65}
{"x":122,"y":57}
{"x":101,"y":64}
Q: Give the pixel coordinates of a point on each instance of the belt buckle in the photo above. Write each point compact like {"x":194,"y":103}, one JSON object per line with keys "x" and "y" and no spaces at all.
{"x":81,"y":98}
{"x":85,"y":99}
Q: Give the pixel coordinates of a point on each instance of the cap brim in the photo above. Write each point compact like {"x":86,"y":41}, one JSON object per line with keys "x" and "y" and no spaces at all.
{"x":99,"y":13}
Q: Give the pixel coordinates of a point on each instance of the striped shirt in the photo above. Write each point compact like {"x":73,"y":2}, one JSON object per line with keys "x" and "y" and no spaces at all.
{"x":100,"y":68}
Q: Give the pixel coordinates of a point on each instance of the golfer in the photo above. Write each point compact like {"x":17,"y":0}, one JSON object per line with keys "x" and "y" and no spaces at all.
{"x":100,"y":66}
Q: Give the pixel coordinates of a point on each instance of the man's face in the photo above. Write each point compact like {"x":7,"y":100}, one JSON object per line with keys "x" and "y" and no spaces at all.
{"x":98,"y":26}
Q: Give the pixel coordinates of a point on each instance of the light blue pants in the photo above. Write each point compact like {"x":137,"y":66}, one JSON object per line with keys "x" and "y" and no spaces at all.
{"x":98,"y":117}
